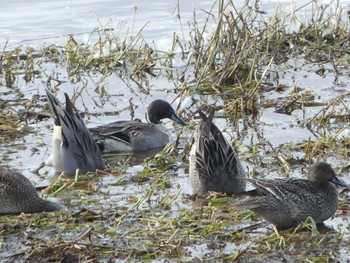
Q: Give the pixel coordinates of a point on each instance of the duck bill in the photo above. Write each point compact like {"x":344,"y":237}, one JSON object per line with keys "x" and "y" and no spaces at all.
{"x":177,"y":119}
{"x":337,"y":181}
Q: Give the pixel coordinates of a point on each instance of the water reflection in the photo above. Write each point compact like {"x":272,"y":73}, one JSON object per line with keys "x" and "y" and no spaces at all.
{"x":132,"y":159}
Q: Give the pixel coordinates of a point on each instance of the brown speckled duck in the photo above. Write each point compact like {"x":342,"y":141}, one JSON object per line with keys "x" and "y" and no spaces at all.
{"x":287,"y":202}
{"x":18,"y":195}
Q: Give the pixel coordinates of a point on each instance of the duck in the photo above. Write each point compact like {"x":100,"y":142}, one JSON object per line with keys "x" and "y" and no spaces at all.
{"x":137,"y":136}
{"x":18,"y":195}
{"x":73,"y":145}
{"x":288,"y":202}
{"x":213,"y":163}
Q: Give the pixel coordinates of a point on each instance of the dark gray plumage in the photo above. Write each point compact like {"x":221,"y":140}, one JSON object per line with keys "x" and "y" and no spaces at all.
{"x":287,"y":202}
{"x":214,"y":165}
{"x":18,"y":195}
{"x":130,"y":136}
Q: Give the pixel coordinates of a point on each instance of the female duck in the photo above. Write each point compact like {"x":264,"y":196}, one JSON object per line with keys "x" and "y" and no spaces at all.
{"x":287,"y":202}
{"x":130,"y":136}
{"x":18,"y":195}
{"x":73,"y":146}
{"x":214,"y":165}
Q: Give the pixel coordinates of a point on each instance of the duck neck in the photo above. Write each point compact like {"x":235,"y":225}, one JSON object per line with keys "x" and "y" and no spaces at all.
{"x":160,"y":127}
{"x":153,"y":120}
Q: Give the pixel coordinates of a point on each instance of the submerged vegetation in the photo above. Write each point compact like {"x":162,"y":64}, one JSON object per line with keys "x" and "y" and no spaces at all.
{"x":245,"y":62}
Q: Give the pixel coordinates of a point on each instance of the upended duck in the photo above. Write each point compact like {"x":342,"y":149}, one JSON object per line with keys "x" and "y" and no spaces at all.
{"x":73,"y":146}
{"x":18,"y":195}
{"x":288,"y":202}
{"x":137,"y":136}
{"x":214,"y":165}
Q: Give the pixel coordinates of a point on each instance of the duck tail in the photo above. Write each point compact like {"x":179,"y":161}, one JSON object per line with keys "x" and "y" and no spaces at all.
{"x":54,"y":104}
{"x":71,"y":109}
{"x":206,"y":123}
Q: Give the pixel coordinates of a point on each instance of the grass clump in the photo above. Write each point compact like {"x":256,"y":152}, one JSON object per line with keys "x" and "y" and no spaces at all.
{"x":239,"y":58}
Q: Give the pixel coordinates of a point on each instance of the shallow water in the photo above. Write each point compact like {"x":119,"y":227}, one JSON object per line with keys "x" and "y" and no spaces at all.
{"x":51,"y":22}
{"x":42,"y":23}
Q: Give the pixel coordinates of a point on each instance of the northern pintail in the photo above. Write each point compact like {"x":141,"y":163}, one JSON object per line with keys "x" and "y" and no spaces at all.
{"x":214,"y":165}
{"x":137,"y":136}
{"x":287,"y":202}
{"x":73,"y":146}
{"x":18,"y":195}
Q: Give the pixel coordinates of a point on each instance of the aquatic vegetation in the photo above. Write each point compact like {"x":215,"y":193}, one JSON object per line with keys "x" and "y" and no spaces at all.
{"x":278,"y":82}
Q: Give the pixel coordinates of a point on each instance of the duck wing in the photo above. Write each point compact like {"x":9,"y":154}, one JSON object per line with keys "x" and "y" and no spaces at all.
{"x":122,"y":131}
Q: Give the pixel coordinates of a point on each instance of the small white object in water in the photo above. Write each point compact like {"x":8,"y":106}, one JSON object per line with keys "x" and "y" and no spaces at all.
{"x":344,"y":133}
